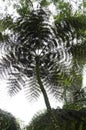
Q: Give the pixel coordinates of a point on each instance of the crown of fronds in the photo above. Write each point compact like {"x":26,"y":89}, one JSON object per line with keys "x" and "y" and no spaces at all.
{"x":33,"y":39}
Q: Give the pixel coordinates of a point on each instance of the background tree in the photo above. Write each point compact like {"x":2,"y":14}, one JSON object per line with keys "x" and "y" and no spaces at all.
{"x":8,"y":122}
{"x":75,"y":119}
{"x":72,"y":22}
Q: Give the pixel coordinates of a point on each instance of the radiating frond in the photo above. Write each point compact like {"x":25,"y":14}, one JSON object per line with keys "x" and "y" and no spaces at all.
{"x":32,"y":40}
{"x":15,"y":83}
{"x":33,"y":91}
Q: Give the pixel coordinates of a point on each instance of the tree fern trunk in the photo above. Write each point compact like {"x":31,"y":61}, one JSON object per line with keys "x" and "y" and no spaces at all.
{"x":52,"y":116}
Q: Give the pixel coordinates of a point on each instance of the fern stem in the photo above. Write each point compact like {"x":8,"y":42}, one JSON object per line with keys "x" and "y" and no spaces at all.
{"x":49,"y":109}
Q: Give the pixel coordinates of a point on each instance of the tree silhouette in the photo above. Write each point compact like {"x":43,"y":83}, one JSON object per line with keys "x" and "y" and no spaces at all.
{"x":7,"y":121}
{"x":75,"y":119}
{"x":33,"y":54}
{"x":36,"y":53}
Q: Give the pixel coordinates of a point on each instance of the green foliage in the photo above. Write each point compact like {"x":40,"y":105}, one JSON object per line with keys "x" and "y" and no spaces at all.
{"x":24,"y":7}
{"x":6,"y":23}
{"x":67,"y":120}
{"x":45,"y":3}
{"x":64,"y":10}
{"x":7,"y":121}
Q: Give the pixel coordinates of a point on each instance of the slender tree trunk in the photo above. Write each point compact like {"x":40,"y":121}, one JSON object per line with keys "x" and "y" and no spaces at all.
{"x":52,"y":115}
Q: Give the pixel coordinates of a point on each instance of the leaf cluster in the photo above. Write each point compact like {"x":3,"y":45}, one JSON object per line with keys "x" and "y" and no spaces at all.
{"x":7,"y":121}
{"x":75,"y":119}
